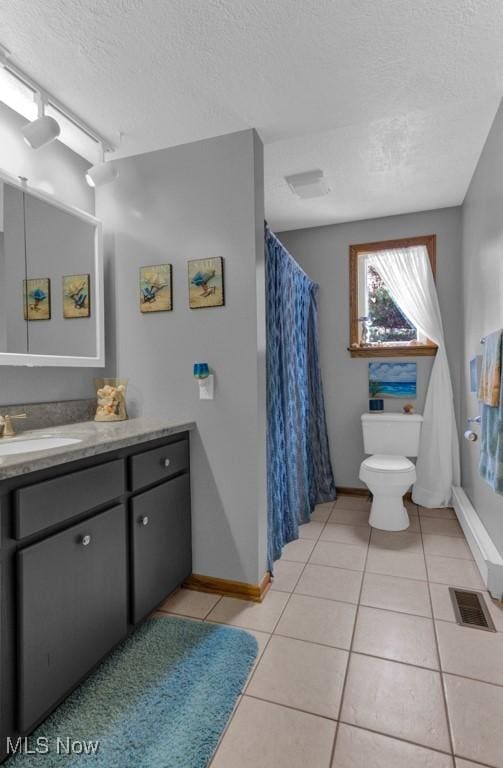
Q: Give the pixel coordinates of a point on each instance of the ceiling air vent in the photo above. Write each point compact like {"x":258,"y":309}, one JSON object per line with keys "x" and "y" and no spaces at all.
{"x":471,"y":610}
{"x":308,"y":184}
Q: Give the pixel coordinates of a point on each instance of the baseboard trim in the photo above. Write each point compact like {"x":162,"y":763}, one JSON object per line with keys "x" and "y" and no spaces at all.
{"x":346,"y":490}
{"x":487,"y":557}
{"x":229,"y":588}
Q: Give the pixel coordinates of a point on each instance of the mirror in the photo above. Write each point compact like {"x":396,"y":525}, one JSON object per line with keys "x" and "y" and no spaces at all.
{"x":51,"y":281}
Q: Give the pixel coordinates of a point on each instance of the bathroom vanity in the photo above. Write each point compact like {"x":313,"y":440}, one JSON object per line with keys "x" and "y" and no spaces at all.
{"x":92,"y":538}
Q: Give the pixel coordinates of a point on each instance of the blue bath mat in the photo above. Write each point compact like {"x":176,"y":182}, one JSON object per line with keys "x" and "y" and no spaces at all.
{"x":161,"y":700}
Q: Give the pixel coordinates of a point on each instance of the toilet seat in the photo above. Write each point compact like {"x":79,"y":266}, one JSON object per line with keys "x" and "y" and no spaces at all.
{"x":380,"y":462}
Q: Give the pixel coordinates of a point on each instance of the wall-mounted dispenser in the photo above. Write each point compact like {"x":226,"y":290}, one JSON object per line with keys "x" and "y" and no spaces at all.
{"x":205,"y":379}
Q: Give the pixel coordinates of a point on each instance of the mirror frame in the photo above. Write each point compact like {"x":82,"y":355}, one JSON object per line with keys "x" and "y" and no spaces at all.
{"x":68,"y":361}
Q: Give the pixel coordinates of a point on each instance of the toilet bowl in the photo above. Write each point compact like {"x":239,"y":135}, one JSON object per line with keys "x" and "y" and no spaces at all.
{"x":388,"y":478}
{"x":388,"y":473}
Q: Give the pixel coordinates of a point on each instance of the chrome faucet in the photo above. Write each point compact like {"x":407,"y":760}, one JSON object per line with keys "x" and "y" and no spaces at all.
{"x":6,"y":428}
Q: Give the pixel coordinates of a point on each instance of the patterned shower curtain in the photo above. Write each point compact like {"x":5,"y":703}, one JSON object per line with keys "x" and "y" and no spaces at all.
{"x":299,"y":473}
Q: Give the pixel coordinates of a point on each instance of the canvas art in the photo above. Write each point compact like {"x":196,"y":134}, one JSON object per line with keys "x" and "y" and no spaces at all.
{"x":206,"y":283}
{"x":156,"y":288}
{"x":76,"y":296}
{"x":393,"y":380}
{"x":37,"y":298}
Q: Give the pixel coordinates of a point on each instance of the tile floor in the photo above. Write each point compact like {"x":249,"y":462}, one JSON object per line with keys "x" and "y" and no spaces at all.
{"x":361,"y":663}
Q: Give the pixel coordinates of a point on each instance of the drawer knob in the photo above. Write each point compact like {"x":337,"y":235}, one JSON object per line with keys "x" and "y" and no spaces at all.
{"x":86,"y":540}
{"x":167,"y":462}
{"x":144,"y":520}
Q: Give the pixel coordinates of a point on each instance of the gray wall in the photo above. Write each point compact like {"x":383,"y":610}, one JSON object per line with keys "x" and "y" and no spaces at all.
{"x":196,"y":201}
{"x":56,"y":170}
{"x":483,"y":304}
{"x":324,"y":253}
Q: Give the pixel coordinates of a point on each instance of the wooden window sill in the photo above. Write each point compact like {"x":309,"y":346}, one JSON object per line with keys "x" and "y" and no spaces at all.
{"x":405,"y":350}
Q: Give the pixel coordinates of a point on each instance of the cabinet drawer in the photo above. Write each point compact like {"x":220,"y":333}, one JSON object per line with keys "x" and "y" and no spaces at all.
{"x":72,"y":608}
{"x":161,"y":543}
{"x":53,"y":501}
{"x":158,"y":464}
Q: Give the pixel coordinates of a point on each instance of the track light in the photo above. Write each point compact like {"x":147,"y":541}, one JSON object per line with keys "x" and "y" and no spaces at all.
{"x":101,"y":173}
{"x":41,"y":131}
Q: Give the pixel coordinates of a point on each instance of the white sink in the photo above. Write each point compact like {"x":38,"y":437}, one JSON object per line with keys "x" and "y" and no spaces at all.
{"x":30,"y":444}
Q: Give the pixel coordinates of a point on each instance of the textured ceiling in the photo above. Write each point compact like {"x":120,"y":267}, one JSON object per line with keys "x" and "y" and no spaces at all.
{"x":393,"y":99}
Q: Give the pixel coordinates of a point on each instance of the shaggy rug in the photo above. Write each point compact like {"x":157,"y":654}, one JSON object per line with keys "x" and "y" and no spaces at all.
{"x":160,"y":700}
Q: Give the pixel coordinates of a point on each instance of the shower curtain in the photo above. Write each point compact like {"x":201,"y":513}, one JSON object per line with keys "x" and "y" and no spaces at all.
{"x":299,"y":471}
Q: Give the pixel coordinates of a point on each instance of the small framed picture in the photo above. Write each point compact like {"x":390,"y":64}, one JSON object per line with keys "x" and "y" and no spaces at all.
{"x":206,"y":283}
{"x":76,"y":296}
{"x":156,"y":288}
{"x":37,"y":298}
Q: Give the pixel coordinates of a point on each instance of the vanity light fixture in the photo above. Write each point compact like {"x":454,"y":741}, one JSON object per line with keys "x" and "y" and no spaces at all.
{"x":19,"y":92}
{"x":102,"y":173}
{"x":43,"y":130}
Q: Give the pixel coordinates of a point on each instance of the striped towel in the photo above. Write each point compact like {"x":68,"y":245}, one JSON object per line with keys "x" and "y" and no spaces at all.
{"x":490,"y":373}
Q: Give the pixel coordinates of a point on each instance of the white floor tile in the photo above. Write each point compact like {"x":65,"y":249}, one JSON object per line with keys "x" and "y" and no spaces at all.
{"x":396,"y":699}
{"x":300,"y":675}
{"x":347,"y":534}
{"x":471,"y":652}
{"x":396,"y":636}
{"x":318,"y":621}
{"x":357,"y":748}
{"x":475,"y":713}
{"x":331,"y":583}
{"x":339,"y":555}
{"x":392,"y":563}
{"x":453,"y":571}
{"x":265,"y":735}
{"x":189,"y":602}
{"x":243,"y":613}
{"x":311,"y":530}
{"x":286,"y":575}
{"x":298,"y":551}
{"x":396,"y":594}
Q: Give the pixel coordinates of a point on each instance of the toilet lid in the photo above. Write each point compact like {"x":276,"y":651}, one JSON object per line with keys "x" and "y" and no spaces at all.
{"x":386,"y":463}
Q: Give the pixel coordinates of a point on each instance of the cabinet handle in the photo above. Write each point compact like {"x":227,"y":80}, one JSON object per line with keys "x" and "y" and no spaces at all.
{"x":167,"y":462}
{"x":144,"y":520}
{"x":86,"y":540}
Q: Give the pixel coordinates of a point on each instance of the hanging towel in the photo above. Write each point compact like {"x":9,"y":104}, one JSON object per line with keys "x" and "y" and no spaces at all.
{"x":490,"y":373}
{"x":491,"y":422}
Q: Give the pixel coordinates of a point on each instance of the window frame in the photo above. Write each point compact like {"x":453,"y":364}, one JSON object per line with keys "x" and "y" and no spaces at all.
{"x":411,"y":349}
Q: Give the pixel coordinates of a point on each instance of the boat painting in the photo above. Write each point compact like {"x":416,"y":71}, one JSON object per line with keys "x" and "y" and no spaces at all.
{"x":393,"y":380}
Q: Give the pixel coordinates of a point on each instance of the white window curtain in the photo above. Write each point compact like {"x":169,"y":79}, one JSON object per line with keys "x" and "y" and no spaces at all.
{"x":409,"y":278}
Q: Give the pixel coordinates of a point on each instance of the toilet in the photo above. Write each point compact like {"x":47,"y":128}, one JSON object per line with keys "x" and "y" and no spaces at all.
{"x":388,"y":473}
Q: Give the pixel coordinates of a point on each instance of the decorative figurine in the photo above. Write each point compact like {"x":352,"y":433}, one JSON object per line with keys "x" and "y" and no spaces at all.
{"x":111,"y":400}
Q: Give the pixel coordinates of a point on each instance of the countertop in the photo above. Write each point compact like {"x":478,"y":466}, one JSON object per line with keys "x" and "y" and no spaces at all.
{"x":95,"y":437}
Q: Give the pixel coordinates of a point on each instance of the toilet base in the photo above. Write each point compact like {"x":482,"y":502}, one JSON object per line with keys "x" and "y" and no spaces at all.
{"x":388,"y":513}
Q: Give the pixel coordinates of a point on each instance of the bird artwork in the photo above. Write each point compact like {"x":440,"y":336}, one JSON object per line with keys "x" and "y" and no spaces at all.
{"x":37,"y":299}
{"x":76,"y":296}
{"x":201,"y":280}
{"x":155,"y":288}
{"x":206,"y":287}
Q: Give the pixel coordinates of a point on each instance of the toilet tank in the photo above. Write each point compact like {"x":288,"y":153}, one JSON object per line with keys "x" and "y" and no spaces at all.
{"x":391,"y":433}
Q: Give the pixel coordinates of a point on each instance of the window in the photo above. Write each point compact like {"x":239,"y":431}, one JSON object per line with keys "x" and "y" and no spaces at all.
{"x":377,"y":325}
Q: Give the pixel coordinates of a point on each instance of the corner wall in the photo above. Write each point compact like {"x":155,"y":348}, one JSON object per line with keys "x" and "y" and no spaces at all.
{"x":324,"y":254}
{"x":196,"y":201}
{"x":483,"y":305}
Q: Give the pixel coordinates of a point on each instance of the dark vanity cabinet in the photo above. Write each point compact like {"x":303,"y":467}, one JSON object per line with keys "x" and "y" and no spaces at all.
{"x":88,"y":550}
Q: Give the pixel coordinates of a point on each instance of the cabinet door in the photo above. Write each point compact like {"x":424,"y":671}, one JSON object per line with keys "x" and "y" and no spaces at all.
{"x":72,"y":608}
{"x":161,"y":541}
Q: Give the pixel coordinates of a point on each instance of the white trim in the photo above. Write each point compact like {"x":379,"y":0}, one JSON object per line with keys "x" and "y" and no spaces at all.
{"x":487,"y":557}
{"x":8,"y":358}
